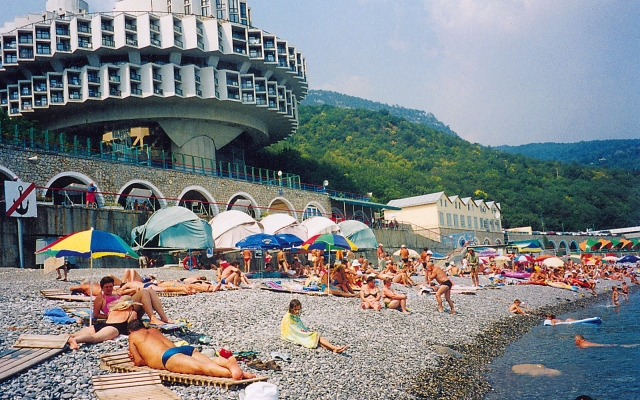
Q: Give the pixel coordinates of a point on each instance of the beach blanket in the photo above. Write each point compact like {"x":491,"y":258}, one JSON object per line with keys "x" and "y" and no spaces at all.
{"x":80,"y":312}
{"x":120,"y":362}
{"x":293,"y":330}
{"x":59,"y":316}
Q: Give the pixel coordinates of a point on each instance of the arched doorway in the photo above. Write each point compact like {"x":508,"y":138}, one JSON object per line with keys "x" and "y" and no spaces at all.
{"x":142,"y":196}
{"x":280,"y":205}
{"x":198,"y":200}
{"x":245,"y":203}
{"x":70,"y":189}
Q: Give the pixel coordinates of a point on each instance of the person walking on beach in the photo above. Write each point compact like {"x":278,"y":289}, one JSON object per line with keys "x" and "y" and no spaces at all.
{"x":472,"y":259}
{"x":404,"y":254}
{"x":246,"y":255}
{"x":436,"y":273}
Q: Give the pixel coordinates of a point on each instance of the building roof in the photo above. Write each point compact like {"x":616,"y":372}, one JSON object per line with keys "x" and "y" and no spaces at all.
{"x":364,"y":203}
{"x":416,"y":200}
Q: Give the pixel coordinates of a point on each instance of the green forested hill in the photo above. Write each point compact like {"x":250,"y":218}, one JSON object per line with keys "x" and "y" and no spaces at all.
{"x":614,"y":153}
{"x":329,"y":98}
{"x":364,"y":151}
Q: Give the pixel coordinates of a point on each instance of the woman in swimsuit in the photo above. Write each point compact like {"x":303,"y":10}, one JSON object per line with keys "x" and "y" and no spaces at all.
{"x":120,"y":313}
{"x":370,"y":295}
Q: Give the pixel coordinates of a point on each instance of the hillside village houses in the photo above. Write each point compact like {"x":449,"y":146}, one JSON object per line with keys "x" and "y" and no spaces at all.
{"x":463,"y":220}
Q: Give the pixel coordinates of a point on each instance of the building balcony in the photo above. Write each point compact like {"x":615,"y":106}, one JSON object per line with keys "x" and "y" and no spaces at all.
{"x":84,"y":29}
{"x":199,"y":92}
{"x":131,"y":27}
{"x":156,"y":42}
{"x":95,"y":95}
{"x":178,"y":43}
{"x":85,"y":45}
{"x":26,"y":54}
{"x":10,"y":46}
{"x":155,"y":28}
{"x":115,"y":93}
{"x":40,"y":88}
{"x":179,"y":92}
{"x":25,"y":91}
{"x":136,"y":92}
{"x":200,"y":45}
{"x":108,"y":28}
{"x":63,"y":32}
{"x":75,"y":96}
{"x":56,"y":85}
{"x":177,"y":29}
{"x":134,"y":77}
{"x":44,"y":35}
{"x":93,"y":79}
{"x":158,"y":91}
{"x":157,"y":77}
{"x":14,"y":96}
{"x":74,"y":82}
{"x":43,"y":51}
{"x":108,"y":43}
{"x":57,"y":99}
{"x":41,"y":103}
{"x":63,"y":48}
{"x":197,"y":78}
{"x":177,"y":77}
{"x":114,"y":78}
{"x":25,"y":40}
{"x":132,"y":42}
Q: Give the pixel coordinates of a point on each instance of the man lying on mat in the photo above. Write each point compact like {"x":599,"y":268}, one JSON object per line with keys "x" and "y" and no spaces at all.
{"x":151,"y":348}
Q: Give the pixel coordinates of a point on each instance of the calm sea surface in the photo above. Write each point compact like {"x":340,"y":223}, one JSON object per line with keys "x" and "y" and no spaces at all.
{"x":600,"y":372}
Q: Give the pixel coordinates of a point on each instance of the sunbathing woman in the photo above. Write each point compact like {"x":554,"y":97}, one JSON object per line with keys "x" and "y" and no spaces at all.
{"x":370,"y":295}
{"x":293,"y":330}
{"x":120,"y":313}
{"x":339,"y":279}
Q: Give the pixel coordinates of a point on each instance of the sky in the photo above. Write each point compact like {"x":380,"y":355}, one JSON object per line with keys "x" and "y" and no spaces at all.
{"x":496,"y":71}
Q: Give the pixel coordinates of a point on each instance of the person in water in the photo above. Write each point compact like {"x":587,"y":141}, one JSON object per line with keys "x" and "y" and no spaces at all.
{"x":583,"y":343}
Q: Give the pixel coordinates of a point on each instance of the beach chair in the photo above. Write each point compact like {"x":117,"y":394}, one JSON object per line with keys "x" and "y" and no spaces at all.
{"x":58,"y":294}
{"x":120,"y":362}
{"x":131,"y":386}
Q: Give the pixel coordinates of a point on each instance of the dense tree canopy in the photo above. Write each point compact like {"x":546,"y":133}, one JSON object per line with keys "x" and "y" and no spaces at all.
{"x":364,"y":151}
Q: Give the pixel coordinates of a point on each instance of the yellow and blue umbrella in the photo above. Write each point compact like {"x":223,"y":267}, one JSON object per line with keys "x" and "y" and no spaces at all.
{"x":329,"y":241}
{"x":89,"y":244}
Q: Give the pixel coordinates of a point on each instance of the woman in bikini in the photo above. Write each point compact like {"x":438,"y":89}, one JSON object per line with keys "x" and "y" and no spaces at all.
{"x":370,"y":295}
{"x":120,"y":314}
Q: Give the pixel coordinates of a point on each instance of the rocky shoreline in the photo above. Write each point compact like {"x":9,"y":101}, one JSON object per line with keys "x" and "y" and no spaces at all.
{"x":390,"y":355}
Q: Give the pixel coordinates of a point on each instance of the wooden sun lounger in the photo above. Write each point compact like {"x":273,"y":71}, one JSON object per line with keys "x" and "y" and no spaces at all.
{"x":131,"y":386}
{"x":57,"y":294}
{"x":120,"y":362}
{"x":28,"y":351}
{"x":171,"y":294}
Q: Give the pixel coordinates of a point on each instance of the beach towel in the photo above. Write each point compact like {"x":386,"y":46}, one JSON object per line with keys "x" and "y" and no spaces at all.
{"x":58,"y":316}
{"x":292,"y":330}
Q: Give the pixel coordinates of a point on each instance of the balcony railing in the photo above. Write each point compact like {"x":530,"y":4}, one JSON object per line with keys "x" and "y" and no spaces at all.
{"x":43,"y":51}
{"x":154,"y":27}
{"x":63,"y":47}
{"x":84,"y":29}
{"x":131,"y":27}
{"x":75,"y":96}
{"x":63,"y":32}
{"x":41,"y":103}
{"x":14,"y":96}
{"x":86,"y":45}
{"x":132,"y":42}
{"x":108,"y":28}
{"x":40,"y":88}
{"x":157,"y":77}
{"x":10,"y":46}
{"x":156,"y":42}
{"x":43,"y":35}
{"x":179,"y":92}
{"x":178,"y":43}
{"x":197,"y":78}
{"x":108,"y":43}
{"x":134,"y":76}
{"x":95,"y":94}
{"x":57,"y":99}
{"x":114,"y":78}
{"x":177,"y":77}
{"x":75,"y":82}
{"x":200,"y":45}
{"x":177,"y":29}
{"x":115,"y":92}
{"x":136,"y":92}
{"x":93,"y":79}
{"x":25,"y":40}
{"x":158,"y":91}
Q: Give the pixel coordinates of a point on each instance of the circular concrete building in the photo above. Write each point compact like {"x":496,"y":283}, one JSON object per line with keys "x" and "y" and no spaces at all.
{"x":186,"y":77}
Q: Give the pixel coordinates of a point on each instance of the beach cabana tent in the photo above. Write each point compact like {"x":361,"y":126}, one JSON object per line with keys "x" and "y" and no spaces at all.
{"x":527,"y":246}
{"x":320,"y":225}
{"x":274,"y":224}
{"x":174,"y":228}
{"x":360,"y":234}
{"x":230,"y":227}
{"x":590,"y":245}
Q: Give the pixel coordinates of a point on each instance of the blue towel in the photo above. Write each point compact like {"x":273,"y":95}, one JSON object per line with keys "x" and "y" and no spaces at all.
{"x":58,"y":316}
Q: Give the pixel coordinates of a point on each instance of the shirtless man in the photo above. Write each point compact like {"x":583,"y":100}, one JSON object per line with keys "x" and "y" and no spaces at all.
{"x":228,"y":274}
{"x":436,"y":273}
{"x":537,"y":276}
{"x":625,"y":290}
{"x":246,"y":255}
{"x":151,"y":348}
{"x":404,"y":254}
{"x":583,"y":343}
{"x":380,"y":255}
{"x":515,"y":308}
{"x":472,"y":259}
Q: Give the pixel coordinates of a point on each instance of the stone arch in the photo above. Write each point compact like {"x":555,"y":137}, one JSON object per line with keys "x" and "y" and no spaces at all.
{"x":573,"y":246}
{"x":313,"y":209}
{"x":252,"y":209}
{"x":6,"y":175}
{"x":337,"y":214}
{"x":486,"y":241}
{"x":64,"y":179}
{"x":281,"y":205}
{"x":563,"y":249}
{"x":498,"y":241}
{"x":550,"y":245}
{"x":155,"y":201}
{"x":199,"y":200}
{"x":359,"y":215}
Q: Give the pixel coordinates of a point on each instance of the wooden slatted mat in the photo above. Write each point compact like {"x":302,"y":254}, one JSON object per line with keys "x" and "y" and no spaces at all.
{"x":171,"y":294}
{"x":131,"y":386}
{"x":42,"y":341}
{"x":14,"y":360}
{"x":58,"y":294}
{"x":120,"y":362}
{"x":291,"y":291}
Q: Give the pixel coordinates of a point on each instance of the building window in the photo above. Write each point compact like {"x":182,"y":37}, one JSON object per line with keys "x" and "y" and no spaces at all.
{"x":311,"y":211}
{"x":462,"y":221}
{"x":448,"y":219}
{"x":441,"y":215}
{"x":455,"y":220}
{"x":187,"y":8}
{"x":469,"y":221}
{"x":475,"y":222}
{"x":498,"y":225}
{"x":491,"y":222}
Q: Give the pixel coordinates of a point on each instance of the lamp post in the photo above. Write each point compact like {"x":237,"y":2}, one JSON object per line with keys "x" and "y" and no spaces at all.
{"x":279,"y":178}
{"x":324,"y":185}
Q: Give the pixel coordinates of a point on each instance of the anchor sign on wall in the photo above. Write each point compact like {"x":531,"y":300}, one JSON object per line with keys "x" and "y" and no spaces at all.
{"x":20,"y":198}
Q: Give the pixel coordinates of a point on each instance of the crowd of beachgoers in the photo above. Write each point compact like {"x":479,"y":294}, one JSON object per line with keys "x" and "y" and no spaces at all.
{"x":381,"y":321}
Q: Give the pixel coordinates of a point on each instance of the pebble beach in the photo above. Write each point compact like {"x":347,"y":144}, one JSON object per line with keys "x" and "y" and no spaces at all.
{"x":424,"y":355}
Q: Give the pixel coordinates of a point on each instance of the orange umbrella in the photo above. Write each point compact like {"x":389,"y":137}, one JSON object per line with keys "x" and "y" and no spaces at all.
{"x":543,"y":257}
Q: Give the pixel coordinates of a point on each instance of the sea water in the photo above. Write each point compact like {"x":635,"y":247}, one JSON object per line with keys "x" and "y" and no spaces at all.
{"x":600,"y":372}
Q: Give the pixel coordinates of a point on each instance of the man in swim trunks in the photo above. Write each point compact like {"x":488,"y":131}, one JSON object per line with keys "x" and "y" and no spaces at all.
{"x":380,"y":255}
{"x":583,"y":343}
{"x":436,"y":273}
{"x":246,"y":255}
{"x":151,"y":348}
{"x":404,"y":254}
{"x":472,"y":259}
{"x":625,"y":290}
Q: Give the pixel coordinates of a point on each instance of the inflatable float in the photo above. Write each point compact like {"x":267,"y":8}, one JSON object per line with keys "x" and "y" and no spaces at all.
{"x":592,"y":320}
{"x":561,"y":285}
{"x":517,"y":275}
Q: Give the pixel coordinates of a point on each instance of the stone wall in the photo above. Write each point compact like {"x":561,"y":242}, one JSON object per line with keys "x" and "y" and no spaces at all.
{"x":113,"y":177}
